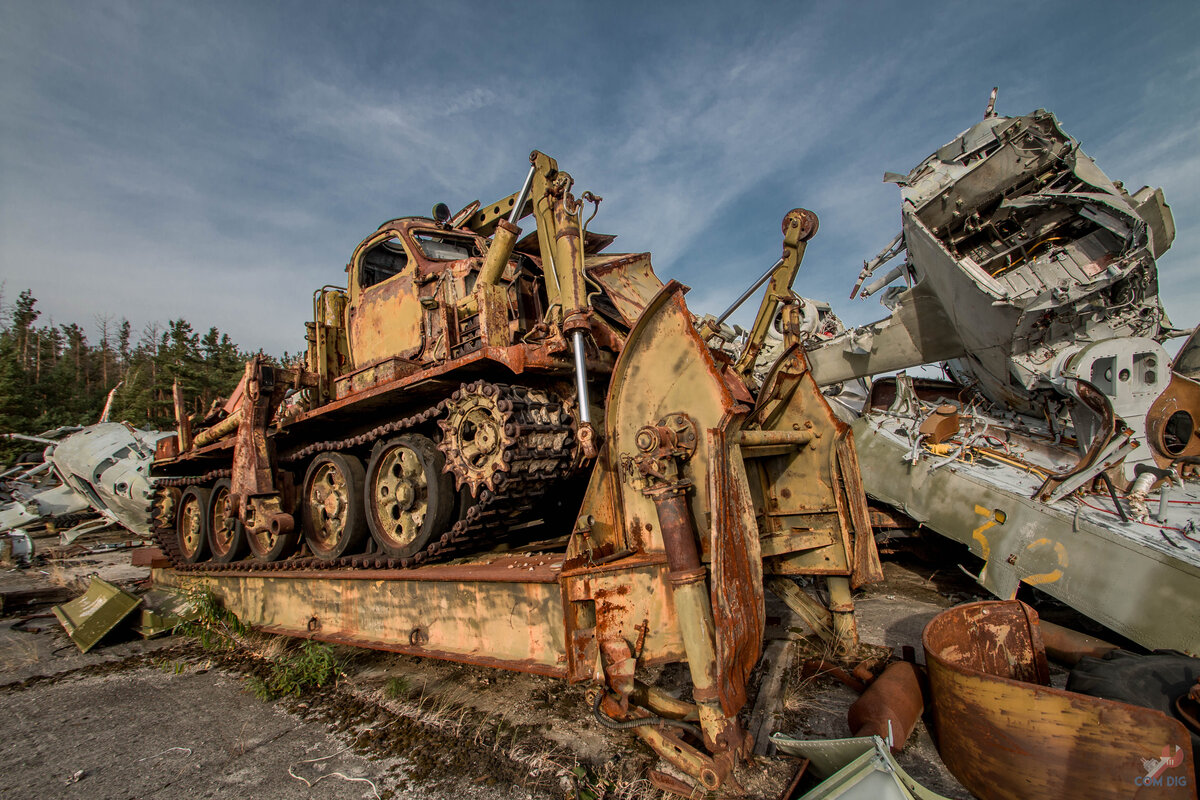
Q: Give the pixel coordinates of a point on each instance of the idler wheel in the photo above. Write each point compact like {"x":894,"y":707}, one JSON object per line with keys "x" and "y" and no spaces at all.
{"x":191,"y":523}
{"x":331,"y":506}
{"x":165,"y":506}
{"x":226,"y":533}
{"x":409,"y":497}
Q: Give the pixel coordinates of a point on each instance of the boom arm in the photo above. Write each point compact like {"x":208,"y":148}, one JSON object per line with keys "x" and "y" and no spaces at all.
{"x":560,"y":241}
{"x":799,"y":225}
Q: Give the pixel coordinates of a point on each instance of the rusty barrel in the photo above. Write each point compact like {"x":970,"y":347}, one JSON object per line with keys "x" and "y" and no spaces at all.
{"x":1005,"y":733}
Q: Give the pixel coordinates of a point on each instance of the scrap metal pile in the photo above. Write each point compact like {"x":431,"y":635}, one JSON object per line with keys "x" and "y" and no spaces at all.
{"x":1063,"y":449}
{"x":83,"y":481}
{"x":492,"y":434}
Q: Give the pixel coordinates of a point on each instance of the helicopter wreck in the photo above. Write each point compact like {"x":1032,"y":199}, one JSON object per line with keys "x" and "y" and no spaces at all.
{"x":88,"y":478}
{"x":1063,"y":449}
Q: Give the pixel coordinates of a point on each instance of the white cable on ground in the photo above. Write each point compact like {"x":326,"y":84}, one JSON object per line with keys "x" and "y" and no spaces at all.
{"x":186,"y":750}
{"x":310,"y":784}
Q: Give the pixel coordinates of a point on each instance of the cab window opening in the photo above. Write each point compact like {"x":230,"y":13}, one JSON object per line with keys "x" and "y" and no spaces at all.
{"x":382,"y":261}
{"x":437,"y":246}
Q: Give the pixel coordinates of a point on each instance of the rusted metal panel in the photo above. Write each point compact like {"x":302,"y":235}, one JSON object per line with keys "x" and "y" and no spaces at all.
{"x":797,"y":539}
{"x":866,"y":567}
{"x":628,"y":280}
{"x":516,"y":358}
{"x":1072,"y":556}
{"x":633,"y":602}
{"x":1005,"y":734}
{"x":739,"y":612}
{"x":383,"y":372}
{"x":89,"y":617}
{"x":507,"y":569}
{"x":663,"y":350}
{"x":509,"y":624}
{"x":813,"y":485}
{"x":1182,"y":395}
{"x":166,"y":448}
{"x":386,"y":320}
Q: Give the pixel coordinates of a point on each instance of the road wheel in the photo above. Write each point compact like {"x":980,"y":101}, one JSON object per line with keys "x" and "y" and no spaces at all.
{"x":268,"y":545}
{"x":409,"y":498}
{"x":191,"y":523}
{"x":226,"y":533}
{"x":331,"y":504}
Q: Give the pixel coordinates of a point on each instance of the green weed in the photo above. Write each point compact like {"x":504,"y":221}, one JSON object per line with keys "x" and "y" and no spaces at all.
{"x":215,"y":627}
{"x":310,"y":666}
{"x":588,"y":785}
{"x":398,"y":688}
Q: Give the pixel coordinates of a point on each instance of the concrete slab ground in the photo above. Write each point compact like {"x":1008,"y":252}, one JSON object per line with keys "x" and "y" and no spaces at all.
{"x":164,"y":719}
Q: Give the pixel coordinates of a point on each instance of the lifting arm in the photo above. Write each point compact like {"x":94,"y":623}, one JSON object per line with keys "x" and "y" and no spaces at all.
{"x":799,"y":225}
{"x":560,"y":242}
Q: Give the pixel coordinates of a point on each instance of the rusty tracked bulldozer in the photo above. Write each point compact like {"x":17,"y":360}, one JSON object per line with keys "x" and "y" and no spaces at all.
{"x":493,"y":434}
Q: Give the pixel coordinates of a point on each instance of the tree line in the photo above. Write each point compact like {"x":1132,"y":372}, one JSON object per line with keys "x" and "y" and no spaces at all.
{"x":52,"y":375}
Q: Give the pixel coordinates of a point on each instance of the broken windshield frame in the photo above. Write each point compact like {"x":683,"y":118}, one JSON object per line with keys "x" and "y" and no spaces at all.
{"x":442,"y":246}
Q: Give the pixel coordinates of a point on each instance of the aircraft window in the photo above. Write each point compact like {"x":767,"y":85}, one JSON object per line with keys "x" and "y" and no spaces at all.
{"x":445,"y":247}
{"x":382,"y":262}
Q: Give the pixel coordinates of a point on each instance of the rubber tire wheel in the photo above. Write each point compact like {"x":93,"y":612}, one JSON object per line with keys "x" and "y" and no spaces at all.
{"x":1151,"y":681}
{"x":240,"y":546}
{"x":440,"y":494}
{"x":354,"y":532}
{"x":199,"y":496}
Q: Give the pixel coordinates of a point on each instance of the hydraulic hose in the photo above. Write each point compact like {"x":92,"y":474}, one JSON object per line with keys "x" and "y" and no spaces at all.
{"x":622,"y":725}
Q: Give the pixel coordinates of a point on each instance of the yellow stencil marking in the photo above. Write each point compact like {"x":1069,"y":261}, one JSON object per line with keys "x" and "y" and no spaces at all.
{"x":1060,"y":553}
{"x":985,"y":549}
{"x":977,"y":534}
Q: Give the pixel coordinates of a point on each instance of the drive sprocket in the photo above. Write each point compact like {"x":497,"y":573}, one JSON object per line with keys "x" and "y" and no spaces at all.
{"x":477,"y":434}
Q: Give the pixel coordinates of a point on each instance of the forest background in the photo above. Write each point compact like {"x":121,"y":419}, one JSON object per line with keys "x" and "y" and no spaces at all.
{"x":51,"y":375}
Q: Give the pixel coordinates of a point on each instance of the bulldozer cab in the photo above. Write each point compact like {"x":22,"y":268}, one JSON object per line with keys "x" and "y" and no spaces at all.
{"x":394,"y":279}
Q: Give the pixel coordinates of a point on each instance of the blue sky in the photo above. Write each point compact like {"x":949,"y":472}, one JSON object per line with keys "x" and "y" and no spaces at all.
{"x":219,"y":161}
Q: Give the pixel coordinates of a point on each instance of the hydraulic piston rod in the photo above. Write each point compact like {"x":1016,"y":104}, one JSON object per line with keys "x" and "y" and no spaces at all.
{"x":505,"y":237}
{"x":753,"y":288}
{"x":585,"y":413}
{"x":522,"y":196}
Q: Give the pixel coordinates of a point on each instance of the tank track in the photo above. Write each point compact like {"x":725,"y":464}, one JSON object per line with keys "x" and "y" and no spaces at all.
{"x":540,"y":452}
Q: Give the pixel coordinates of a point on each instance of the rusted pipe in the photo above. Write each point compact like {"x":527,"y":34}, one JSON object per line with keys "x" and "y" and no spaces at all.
{"x":890,"y":706}
{"x":841,"y":607}
{"x":661,"y":703}
{"x":218,"y":431}
{"x":746,"y":294}
{"x":1067,"y":646}
{"x":689,"y":591}
{"x":676,"y":525}
{"x":752,"y":438}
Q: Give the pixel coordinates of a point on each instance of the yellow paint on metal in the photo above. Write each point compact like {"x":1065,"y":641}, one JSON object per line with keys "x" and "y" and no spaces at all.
{"x":1060,"y":553}
{"x":985,"y":549}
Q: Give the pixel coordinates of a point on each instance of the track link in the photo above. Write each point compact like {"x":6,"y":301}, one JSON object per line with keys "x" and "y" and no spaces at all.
{"x":539,"y":451}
